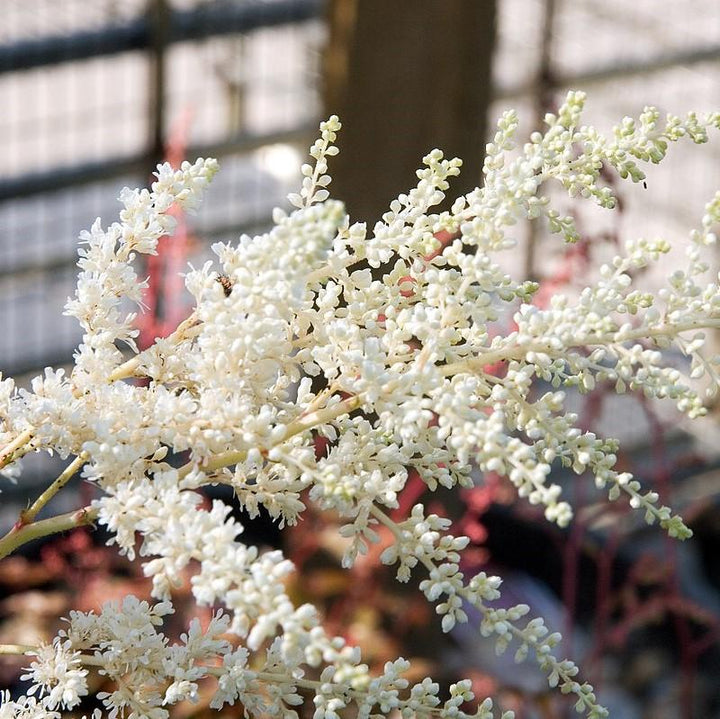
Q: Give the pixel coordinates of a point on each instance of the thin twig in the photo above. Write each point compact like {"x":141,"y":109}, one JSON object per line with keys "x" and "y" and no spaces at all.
{"x":9,"y":452}
{"x":29,"y":514}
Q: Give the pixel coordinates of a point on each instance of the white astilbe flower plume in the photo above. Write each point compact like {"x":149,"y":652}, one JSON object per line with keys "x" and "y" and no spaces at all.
{"x":389,"y":347}
{"x":107,"y":276}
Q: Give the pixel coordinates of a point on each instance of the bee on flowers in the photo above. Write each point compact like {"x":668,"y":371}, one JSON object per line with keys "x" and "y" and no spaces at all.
{"x":226,"y":284}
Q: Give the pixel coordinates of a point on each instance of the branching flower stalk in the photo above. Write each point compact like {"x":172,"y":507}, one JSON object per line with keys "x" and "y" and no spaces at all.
{"x":415,"y":376}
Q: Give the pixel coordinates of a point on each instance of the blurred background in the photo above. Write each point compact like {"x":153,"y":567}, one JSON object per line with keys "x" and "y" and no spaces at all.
{"x":95,"y":92}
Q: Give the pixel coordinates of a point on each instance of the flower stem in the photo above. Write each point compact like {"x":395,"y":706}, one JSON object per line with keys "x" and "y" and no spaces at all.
{"x":305,"y":422}
{"x":29,"y":514}
{"x":511,"y":351}
{"x":8,"y":453}
{"x":10,"y":649}
{"x":23,"y":533}
{"x":185,"y":330}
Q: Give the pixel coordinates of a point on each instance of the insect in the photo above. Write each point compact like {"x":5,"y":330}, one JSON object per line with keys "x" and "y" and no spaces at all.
{"x":226,"y":283}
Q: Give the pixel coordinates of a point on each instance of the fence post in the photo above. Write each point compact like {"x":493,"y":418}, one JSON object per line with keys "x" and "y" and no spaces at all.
{"x":405,"y":77}
{"x":159,"y":16}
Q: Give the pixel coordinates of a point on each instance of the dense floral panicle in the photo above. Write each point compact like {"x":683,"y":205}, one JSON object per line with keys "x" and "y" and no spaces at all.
{"x":106,"y":276}
{"x":58,"y":675}
{"x":24,"y":707}
{"x":391,"y":345}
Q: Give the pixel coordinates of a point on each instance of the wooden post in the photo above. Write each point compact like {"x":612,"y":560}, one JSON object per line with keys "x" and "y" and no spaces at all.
{"x":405,"y":77}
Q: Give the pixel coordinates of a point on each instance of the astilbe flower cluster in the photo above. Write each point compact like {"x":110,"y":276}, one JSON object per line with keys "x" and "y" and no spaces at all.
{"x":402,"y":333}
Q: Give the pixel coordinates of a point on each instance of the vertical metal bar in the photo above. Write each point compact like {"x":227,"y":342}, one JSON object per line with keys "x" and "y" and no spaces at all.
{"x":159,"y":13}
{"x":542,"y":100}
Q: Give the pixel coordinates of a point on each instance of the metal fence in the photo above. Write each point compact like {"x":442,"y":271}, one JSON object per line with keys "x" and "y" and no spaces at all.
{"x":93,"y":91}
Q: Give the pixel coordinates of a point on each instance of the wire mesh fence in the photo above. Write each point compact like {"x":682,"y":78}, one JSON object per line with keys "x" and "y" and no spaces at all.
{"x":92,"y":93}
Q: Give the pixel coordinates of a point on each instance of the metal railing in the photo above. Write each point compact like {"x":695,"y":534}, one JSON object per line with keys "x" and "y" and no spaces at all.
{"x":154,"y":35}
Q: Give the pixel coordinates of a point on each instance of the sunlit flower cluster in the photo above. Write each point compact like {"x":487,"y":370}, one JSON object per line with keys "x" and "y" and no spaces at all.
{"x":384,"y":343}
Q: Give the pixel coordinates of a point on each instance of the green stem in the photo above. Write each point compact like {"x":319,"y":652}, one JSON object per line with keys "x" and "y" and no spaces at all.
{"x":187,"y":329}
{"x":23,"y":533}
{"x":28,"y":515}
{"x":511,"y":351}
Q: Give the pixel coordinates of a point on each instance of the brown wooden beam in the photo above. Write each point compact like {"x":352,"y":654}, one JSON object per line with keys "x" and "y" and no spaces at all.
{"x":405,"y":77}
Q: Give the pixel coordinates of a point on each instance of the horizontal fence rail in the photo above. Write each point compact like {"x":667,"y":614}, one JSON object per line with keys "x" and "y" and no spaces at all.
{"x":39,"y":183}
{"x":214,"y":19}
{"x":152,"y":34}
